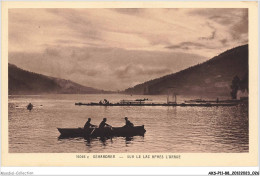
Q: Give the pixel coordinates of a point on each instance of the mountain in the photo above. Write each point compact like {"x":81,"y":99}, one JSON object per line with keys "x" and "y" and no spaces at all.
{"x":24,"y":82}
{"x":212,"y":77}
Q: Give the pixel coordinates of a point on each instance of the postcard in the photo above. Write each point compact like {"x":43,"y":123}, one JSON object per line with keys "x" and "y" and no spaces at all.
{"x":129,"y":84}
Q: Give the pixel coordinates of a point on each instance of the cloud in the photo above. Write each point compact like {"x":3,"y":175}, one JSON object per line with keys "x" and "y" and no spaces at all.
{"x":129,"y":11}
{"x":213,"y":33}
{"x":127,"y":28}
{"x":221,"y":15}
{"x":221,"y":20}
{"x":234,"y":20}
{"x":98,"y":47}
{"x":222,"y":29}
{"x":52,"y":52}
{"x":133,"y":70}
{"x":188,"y":46}
{"x":241,"y":27}
{"x":224,"y":41}
{"x":106,"y":68}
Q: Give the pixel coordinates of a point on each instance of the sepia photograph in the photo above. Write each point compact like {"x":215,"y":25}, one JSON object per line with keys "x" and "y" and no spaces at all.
{"x":119,"y":80}
{"x":163,"y":87}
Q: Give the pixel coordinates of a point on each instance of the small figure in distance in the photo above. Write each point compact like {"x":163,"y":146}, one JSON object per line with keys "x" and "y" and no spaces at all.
{"x":104,"y":124}
{"x":29,"y":106}
{"x":88,"y":124}
{"x":106,"y":101}
{"x":128,"y":123}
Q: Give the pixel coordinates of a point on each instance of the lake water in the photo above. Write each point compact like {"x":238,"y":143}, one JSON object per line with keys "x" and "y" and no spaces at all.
{"x":168,"y":129}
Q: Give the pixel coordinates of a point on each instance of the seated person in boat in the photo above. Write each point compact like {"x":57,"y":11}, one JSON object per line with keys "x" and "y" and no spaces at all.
{"x":128,"y":123}
{"x":104,"y":124}
{"x":88,"y":124}
{"x":106,"y":101}
{"x":29,"y":106}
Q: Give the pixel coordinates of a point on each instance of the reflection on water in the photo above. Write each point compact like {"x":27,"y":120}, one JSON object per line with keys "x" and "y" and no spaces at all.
{"x":89,"y":141}
{"x":168,"y":129}
{"x":128,"y":140}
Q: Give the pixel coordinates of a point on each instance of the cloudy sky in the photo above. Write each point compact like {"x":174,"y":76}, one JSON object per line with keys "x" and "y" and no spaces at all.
{"x":113,"y":49}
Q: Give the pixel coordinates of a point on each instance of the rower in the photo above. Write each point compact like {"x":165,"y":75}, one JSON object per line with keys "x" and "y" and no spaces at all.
{"x":88,"y":124}
{"x":128,"y":123}
{"x":104,"y":124}
{"x":29,"y":106}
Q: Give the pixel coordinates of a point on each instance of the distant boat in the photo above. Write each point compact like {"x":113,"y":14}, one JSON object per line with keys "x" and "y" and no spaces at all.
{"x":142,"y":99}
{"x":30,"y":106}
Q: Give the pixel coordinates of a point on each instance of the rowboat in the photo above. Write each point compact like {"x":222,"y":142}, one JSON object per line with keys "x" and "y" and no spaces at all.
{"x":101,"y":132}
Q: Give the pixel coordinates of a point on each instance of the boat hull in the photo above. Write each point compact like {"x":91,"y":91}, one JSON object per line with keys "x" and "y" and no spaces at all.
{"x":102,"y":132}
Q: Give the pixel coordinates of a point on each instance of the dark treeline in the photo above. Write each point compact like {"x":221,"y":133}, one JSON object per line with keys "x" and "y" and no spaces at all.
{"x":239,"y":84}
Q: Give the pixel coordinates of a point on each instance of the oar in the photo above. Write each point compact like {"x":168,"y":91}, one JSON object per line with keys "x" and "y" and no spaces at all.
{"x":111,"y":128}
{"x":92,"y":131}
